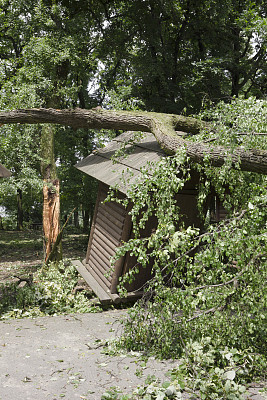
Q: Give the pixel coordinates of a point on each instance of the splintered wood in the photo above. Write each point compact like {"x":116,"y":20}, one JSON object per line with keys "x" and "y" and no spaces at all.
{"x":51,"y":207}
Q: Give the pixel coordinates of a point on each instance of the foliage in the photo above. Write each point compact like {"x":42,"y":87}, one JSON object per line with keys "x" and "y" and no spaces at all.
{"x":174,"y":57}
{"x":207,"y":281}
{"x":165,"y":56}
{"x":164,"y":53}
{"x":77,"y":190}
{"x":45,"y":60}
{"x":121,"y":98}
{"x":223,"y":283}
{"x":20,"y":153}
{"x":235,"y":123}
{"x":214,"y":373}
{"x":161,"y":55}
{"x":19,"y":150}
{"x":51,"y":293}
{"x":151,"y":390}
{"x":203,"y":371}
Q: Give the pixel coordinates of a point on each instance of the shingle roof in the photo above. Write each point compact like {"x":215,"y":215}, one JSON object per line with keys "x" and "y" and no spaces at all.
{"x":101,"y":166}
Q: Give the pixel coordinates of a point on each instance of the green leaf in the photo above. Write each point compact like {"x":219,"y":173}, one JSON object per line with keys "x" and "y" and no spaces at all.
{"x":230,"y":375}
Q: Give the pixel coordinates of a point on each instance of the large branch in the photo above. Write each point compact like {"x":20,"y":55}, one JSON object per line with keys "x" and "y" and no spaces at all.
{"x":162,"y":126}
{"x":97,"y":119}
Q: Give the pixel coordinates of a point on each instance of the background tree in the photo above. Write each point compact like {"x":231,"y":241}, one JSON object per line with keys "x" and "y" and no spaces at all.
{"x":20,"y":195}
{"x":78,"y":190}
{"x":175,"y":54}
{"x":46,"y":61}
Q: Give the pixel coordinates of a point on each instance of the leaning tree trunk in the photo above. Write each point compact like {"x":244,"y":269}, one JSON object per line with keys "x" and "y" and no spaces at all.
{"x":51,"y":199}
{"x":162,"y":126}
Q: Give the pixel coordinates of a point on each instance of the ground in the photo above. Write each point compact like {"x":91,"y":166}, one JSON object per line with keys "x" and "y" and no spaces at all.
{"x":61,"y":356}
{"x":21,"y":253}
{"x":49,"y":358}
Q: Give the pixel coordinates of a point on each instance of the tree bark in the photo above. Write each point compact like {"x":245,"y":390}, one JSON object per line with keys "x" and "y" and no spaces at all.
{"x":76,"y":219}
{"x":51,"y":199}
{"x":162,"y":126}
{"x":85,"y":214}
{"x":51,"y":219}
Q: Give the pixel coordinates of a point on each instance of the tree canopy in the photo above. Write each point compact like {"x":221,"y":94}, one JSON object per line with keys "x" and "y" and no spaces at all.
{"x":178,"y":58}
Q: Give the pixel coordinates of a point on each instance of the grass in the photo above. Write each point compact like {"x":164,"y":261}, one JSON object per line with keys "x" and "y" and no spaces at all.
{"x":26,"y":248}
{"x":21,"y":253}
{"x":14,"y":244}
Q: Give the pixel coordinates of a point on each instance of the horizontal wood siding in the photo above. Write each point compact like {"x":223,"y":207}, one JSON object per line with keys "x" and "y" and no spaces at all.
{"x":109,"y":241}
{"x":105,"y":236}
{"x":104,"y":221}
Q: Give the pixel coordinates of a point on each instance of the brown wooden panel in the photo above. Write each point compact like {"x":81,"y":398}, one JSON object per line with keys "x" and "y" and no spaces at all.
{"x":101,"y":269}
{"x":95,"y":261}
{"x":221,"y":212}
{"x":118,"y":267}
{"x":95,"y":270}
{"x":110,"y":240}
{"x":109,"y":219}
{"x":93,"y":226}
{"x":102,"y":252}
{"x":109,"y":247}
{"x":108,"y":223}
{"x":119,"y":217}
{"x":117,"y":208}
{"x":113,"y":204}
{"x":113,"y":230}
{"x":99,"y":280}
{"x":141,"y":277}
{"x":189,"y":210}
{"x":105,"y":265}
{"x":109,"y":215}
{"x":92,"y":282}
{"x":104,"y":259}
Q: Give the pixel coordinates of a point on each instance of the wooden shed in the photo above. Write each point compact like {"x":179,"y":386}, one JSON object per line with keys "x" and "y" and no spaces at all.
{"x":4,"y":173}
{"x":111,"y":223}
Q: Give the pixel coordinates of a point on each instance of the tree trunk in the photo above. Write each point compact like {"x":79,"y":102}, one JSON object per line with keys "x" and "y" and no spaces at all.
{"x":51,"y":199}
{"x":76,"y":219}
{"x":19,"y":210}
{"x":162,"y":126}
{"x":51,"y":225}
{"x":85,"y":220}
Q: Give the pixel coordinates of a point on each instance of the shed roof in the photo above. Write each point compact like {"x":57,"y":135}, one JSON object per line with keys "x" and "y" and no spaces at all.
{"x":101,"y":166}
{"x":4,"y":173}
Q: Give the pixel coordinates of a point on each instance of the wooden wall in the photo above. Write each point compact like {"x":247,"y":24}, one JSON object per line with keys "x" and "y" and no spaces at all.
{"x":112,"y":225}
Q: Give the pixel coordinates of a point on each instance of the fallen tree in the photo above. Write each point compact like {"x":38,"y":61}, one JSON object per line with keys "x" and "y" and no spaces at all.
{"x":163,"y":126}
